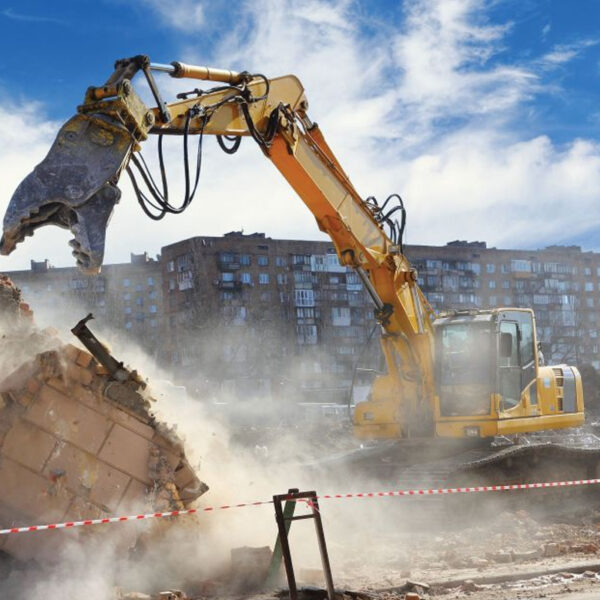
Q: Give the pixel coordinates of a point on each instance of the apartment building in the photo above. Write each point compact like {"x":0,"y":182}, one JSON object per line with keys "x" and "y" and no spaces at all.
{"x":125,"y":297}
{"x":262,"y":316}
{"x":271,"y":314}
{"x":561,"y":284}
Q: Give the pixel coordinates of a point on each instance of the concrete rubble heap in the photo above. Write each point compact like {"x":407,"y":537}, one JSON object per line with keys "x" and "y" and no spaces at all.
{"x":75,"y":443}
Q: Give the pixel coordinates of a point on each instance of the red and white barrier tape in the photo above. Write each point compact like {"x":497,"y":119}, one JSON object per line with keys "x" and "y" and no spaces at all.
{"x":191,"y":511}
{"x":156,"y":515}
{"x":465,"y":490}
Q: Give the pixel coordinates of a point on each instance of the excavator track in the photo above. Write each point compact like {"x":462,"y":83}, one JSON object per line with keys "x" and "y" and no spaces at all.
{"x":535,"y":459}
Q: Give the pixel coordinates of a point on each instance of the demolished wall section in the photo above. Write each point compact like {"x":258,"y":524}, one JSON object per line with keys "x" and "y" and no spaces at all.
{"x":75,"y":444}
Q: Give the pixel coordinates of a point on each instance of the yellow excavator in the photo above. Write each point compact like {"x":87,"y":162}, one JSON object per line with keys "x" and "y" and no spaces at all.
{"x":463,"y":375}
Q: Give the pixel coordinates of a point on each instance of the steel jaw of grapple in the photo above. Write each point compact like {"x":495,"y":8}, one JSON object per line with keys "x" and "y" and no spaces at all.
{"x":74,"y":187}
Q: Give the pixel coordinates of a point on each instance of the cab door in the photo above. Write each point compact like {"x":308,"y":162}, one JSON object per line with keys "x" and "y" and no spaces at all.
{"x":509,"y":368}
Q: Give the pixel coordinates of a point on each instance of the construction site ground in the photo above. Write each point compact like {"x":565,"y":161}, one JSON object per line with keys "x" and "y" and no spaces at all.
{"x":380,"y":548}
{"x":383,"y":547}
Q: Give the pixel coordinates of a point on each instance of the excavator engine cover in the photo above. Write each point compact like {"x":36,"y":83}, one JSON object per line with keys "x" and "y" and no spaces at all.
{"x":73,"y":188}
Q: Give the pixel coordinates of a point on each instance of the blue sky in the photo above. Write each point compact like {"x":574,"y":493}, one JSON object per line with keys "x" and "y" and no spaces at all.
{"x":482,"y":114}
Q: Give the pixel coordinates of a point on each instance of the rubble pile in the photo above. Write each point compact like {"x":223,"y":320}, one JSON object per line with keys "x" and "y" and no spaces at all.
{"x":74,"y":442}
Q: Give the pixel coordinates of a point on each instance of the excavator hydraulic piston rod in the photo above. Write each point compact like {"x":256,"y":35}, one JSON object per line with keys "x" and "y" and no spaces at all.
{"x":180,"y":70}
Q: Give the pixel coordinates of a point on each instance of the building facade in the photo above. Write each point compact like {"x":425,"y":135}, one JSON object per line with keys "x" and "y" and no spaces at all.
{"x":561,"y":284}
{"x":125,"y":297}
{"x":260,"y":316}
{"x":264,"y":313}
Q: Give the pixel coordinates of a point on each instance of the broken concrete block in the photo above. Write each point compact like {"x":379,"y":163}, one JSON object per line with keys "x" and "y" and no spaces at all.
{"x":551,"y":549}
{"x":249,"y":567}
{"x":470,"y":586}
{"x":523,"y":556}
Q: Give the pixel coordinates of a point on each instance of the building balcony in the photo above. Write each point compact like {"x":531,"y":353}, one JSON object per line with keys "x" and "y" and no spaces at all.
{"x":228,"y":266}
{"x":236,"y":286}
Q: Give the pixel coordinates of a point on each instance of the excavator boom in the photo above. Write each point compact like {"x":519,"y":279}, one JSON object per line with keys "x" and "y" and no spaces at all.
{"x":75,"y":187}
{"x":476,"y":375}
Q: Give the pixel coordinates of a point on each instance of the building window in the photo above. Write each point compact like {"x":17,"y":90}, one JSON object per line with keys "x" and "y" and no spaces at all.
{"x":301,"y":259}
{"x":170,"y":266}
{"x":79,"y":284}
{"x":492,"y":284}
{"x":226,"y":276}
{"x":589,"y":302}
{"x":127,"y":297}
{"x":307,"y":334}
{"x":263,"y":260}
{"x":490,"y":268}
{"x":305,"y":313}
{"x":245,"y":260}
{"x":340,"y":316}
{"x":281,"y":278}
{"x":171,"y":284}
{"x":138,"y":287}
{"x":493,"y":301}
{"x":150,"y":281}
{"x":263,"y":278}
{"x":506,"y":284}
{"x":280,"y":261}
{"x":128,"y":310}
{"x":184,"y":262}
{"x":226,"y":295}
{"x":304,"y":297}
{"x":246,"y":278}
{"x":153,"y":308}
{"x":128,"y":325}
{"x":589,"y":286}
{"x":152,"y":295}
{"x":587,"y":271}
{"x":520,"y":266}
{"x":139,"y":301}
{"x":126,"y":282}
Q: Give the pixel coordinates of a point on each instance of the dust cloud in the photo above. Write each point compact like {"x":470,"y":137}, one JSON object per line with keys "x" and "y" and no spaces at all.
{"x":242,"y":462}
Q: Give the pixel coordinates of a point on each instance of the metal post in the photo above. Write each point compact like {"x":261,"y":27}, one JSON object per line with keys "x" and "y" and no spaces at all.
{"x":288,"y":513}
{"x":323,"y":548}
{"x":283,"y":518}
{"x":285,"y":548}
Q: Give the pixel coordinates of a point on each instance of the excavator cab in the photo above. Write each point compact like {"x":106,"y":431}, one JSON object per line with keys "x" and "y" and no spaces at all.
{"x":490,"y":379}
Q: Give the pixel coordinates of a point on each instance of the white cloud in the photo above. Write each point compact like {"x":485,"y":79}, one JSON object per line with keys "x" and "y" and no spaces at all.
{"x":428,"y":111}
{"x":546,"y":30}
{"x":564,"y":53}
{"x":185,"y":15}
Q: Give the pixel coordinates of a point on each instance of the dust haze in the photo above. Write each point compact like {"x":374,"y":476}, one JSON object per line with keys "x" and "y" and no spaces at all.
{"x":254,"y":449}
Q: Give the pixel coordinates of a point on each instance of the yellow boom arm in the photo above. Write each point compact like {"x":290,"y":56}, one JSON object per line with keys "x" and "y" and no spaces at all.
{"x":113,"y":122}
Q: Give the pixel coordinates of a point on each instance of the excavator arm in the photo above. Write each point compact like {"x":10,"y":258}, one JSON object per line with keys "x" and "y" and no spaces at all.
{"x":75,"y":187}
